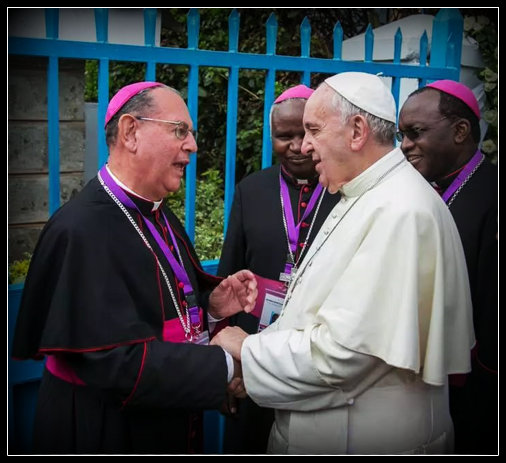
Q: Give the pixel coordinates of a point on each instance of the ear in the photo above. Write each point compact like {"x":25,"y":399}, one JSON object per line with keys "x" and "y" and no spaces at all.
{"x":462,"y":130}
{"x":127,"y":131}
{"x":359,"y":132}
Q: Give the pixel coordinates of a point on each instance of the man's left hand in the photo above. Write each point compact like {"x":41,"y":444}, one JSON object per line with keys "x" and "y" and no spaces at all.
{"x":236,"y":293}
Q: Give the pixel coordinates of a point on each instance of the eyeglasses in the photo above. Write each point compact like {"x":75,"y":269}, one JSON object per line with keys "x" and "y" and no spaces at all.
{"x":182,"y":129}
{"x":414,"y":133}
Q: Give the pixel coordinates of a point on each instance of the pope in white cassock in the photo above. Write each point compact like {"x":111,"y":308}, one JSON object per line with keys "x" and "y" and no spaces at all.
{"x":379,"y":313}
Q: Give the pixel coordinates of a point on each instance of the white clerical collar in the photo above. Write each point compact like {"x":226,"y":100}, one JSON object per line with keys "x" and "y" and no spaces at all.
{"x":369,"y":176}
{"x":156,"y":204}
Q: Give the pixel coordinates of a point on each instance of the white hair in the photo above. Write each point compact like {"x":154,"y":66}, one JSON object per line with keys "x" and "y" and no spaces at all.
{"x":383,"y":131}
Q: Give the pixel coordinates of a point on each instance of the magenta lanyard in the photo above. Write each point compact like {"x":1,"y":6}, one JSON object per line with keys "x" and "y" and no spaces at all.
{"x":292,"y":229}
{"x":462,"y":177}
{"x":177,"y":268}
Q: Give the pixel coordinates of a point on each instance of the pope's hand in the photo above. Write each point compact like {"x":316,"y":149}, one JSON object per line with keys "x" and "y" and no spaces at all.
{"x":231,"y":339}
{"x":236,"y":293}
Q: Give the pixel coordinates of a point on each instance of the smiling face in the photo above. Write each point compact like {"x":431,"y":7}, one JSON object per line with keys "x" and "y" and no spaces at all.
{"x":287,"y":136}
{"x":428,"y":141}
{"x":161,"y":157}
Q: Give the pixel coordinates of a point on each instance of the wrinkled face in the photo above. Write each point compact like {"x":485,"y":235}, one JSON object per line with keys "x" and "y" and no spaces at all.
{"x":428,"y":135}
{"x":161,"y":157}
{"x":326,"y":140}
{"x":287,"y":136}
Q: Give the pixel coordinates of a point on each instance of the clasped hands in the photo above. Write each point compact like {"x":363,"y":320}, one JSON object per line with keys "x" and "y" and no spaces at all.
{"x":231,"y":339}
{"x":236,"y":293}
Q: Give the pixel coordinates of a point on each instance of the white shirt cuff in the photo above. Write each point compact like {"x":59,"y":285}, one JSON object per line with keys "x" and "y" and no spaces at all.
{"x":212,"y":322}
{"x":230,"y":366}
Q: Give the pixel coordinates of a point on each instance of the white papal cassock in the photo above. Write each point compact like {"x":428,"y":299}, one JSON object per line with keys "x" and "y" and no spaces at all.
{"x":377,"y":317}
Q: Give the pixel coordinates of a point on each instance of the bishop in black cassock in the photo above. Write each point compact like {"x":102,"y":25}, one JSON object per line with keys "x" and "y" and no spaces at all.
{"x":441,"y":132}
{"x":104,"y":304}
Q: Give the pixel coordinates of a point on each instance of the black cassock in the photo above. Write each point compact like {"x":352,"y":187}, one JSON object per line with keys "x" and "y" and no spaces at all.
{"x":474,"y":406}
{"x":256,"y":240}
{"x":95,"y":299}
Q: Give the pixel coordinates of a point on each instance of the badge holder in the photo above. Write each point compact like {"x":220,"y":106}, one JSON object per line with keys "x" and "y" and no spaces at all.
{"x":271,"y":295}
{"x":195,"y":335}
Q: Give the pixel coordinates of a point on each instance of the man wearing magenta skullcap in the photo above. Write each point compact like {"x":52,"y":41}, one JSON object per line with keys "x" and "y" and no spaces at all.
{"x":117,"y":302}
{"x":440,"y":133}
{"x":275,"y":215}
{"x":379,"y":312}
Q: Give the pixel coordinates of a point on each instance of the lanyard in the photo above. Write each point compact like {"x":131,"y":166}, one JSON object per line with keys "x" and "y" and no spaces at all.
{"x":464,"y":176}
{"x":177,"y":268}
{"x":293,"y":230}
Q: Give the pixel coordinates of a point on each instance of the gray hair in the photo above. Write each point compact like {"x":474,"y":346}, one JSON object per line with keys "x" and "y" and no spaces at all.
{"x":383,"y":131}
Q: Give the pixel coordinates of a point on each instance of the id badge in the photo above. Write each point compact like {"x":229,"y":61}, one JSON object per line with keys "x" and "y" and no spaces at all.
{"x":270,"y":299}
{"x":202,"y":338}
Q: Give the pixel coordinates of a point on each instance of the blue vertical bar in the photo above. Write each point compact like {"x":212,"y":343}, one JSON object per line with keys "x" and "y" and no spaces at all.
{"x":231,"y":144}
{"x":396,"y":81}
{"x":193,"y":21}
{"x":305,"y":47}
{"x":338,"y":41}
{"x":149,"y":40}
{"x":272,"y":29}
{"x":447,"y":30}
{"x":424,"y":44}
{"x":149,"y":26}
{"x":232,"y":98}
{"x":369,"y":44}
{"x":102,"y":29}
{"x":53,"y":114}
{"x":52,"y":16}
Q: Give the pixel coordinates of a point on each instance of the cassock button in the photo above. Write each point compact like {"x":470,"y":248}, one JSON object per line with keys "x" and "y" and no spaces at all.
{"x":301,"y":245}
{"x":305,"y":189}
{"x":303,"y":204}
{"x":334,"y":215}
{"x":304,"y":224}
{"x":181,"y":285}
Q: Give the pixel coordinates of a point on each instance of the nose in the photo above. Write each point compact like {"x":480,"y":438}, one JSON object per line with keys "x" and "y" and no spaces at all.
{"x":406,"y":144}
{"x":296,"y":144}
{"x":190,"y":144}
{"x":306,"y":147}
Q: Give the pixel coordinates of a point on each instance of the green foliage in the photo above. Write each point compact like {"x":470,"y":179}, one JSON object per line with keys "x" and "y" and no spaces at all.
{"x":484,"y":31}
{"x":18,"y":269}
{"x":208,"y":213}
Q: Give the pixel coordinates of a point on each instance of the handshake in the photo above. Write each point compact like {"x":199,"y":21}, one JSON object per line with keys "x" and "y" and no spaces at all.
{"x":231,"y":339}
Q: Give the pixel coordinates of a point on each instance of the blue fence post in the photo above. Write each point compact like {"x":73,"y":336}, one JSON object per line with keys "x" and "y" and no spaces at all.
{"x":193,"y":21}
{"x":305,"y":47}
{"x":338,"y":41}
{"x":232,"y":97}
{"x":149,"y":40}
{"x":102,"y":29}
{"x":53,"y":114}
{"x":446,"y":49}
{"x":424,"y":46}
{"x":272,"y":30}
{"x":369,"y":44}
{"x":396,"y":81}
